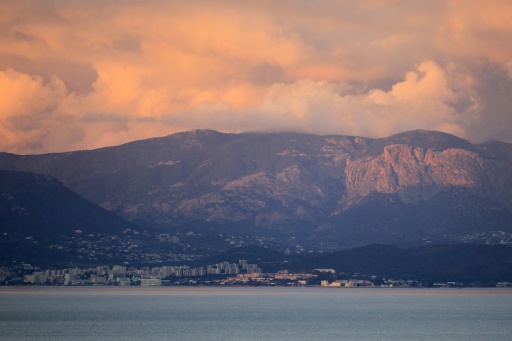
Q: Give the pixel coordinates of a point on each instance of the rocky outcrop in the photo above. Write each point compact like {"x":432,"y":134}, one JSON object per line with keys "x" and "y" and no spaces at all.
{"x":416,"y":174}
{"x":268,"y":199}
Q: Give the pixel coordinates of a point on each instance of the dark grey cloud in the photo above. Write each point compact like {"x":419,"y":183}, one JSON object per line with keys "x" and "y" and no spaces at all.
{"x":495,"y":92}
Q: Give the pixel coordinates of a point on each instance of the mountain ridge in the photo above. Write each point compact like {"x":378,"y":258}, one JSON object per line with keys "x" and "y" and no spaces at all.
{"x":292,"y":185}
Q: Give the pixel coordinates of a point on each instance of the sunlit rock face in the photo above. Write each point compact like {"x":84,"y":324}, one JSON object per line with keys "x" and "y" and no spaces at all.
{"x":415,"y":174}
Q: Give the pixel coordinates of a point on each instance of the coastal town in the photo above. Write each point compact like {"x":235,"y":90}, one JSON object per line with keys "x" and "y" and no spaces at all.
{"x":220,"y":274}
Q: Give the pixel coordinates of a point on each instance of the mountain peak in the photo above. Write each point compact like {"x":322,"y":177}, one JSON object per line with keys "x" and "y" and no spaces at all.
{"x":425,"y":139}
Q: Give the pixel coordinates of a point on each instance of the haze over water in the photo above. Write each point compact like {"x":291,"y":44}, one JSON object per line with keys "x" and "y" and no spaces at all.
{"x":255,"y":314}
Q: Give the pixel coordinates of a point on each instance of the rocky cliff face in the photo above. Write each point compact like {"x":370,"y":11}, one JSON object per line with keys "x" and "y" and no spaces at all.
{"x":415,"y":174}
{"x":300,"y":185}
{"x":269,"y":199}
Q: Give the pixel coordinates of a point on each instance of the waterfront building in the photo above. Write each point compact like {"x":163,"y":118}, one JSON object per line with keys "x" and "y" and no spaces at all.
{"x":145,"y":282}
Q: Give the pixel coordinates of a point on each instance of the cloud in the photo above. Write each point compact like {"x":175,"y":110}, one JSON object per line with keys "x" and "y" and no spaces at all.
{"x":81,"y":75}
{"x":27,"y":104}
{"x":424,"y":98}
{"x":38,"y":116}
{"x":508,"y":67}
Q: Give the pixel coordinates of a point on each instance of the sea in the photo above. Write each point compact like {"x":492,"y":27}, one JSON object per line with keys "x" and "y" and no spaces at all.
{"x":249,"y":313}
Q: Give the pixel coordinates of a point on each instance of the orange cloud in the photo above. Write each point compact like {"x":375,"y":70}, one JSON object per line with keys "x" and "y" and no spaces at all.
{"x":118,"y":71}
{"x":424,"y":98}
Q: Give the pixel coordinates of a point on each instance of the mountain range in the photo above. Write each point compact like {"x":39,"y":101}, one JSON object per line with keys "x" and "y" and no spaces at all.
{"x":332,"y":192}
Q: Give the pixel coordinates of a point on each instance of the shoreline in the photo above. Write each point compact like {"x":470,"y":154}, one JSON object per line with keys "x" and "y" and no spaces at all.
{"x":242,"y":290}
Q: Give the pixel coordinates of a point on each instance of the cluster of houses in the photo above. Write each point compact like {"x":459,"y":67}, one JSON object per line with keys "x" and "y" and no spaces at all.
{"x":349,"y":283}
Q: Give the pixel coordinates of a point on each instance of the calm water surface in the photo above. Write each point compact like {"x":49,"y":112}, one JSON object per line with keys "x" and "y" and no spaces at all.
{"x":104,"y":313}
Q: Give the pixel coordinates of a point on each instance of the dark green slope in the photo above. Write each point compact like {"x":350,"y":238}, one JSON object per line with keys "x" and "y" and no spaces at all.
{"x":461,"y":262}
{"x":37,"y":213}
{"x":445,"y":218}
{"x":38,"y":205}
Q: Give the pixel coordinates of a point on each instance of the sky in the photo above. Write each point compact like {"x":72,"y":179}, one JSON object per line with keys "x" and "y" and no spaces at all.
{"x":79,"y":74}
